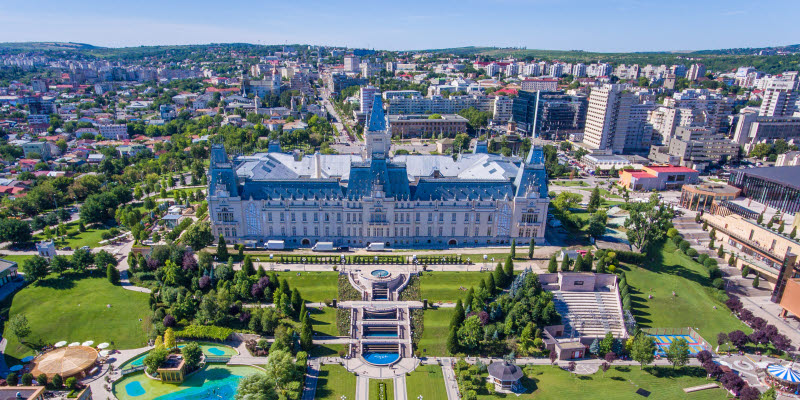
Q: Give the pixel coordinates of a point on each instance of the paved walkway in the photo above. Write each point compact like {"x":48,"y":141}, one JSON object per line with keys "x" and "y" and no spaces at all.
{"x":400,"y":388}
{"x":312,"y":372}
{"x":362,"y":388}
{"x":450,"y":382}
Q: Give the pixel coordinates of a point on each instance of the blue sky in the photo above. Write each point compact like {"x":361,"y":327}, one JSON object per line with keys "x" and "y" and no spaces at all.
{"x":598,"y":25}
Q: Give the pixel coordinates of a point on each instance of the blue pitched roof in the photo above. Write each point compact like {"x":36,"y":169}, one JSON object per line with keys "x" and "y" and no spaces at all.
{"x":297,"y":189}
{"x":460,"y":189}
{"x":364,"y":176}
{"x":377,"y":120}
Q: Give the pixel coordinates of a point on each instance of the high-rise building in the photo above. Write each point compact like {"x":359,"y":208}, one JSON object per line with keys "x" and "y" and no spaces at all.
{"x":615,"y":121}
{"x":352,"y":63}
{"x":549,"y":114}
{"x":780,"y":98}
{"x":579,"y":70}
{"x":367,"y":98}
{"x":696,"y":71}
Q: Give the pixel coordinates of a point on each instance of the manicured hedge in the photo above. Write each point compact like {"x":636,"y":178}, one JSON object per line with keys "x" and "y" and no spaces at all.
{"x":210,"y":332}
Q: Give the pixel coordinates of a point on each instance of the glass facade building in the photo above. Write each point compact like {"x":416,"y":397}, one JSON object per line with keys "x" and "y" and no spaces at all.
{"x":549,"y":114}
{"x":777,"y":187}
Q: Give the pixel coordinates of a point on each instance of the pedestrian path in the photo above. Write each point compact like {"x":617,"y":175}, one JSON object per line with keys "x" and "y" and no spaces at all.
{"x":310,"y":388}
{"x":400,"y":388}
{"x":450,"y":382}
{"x":362,"y":388}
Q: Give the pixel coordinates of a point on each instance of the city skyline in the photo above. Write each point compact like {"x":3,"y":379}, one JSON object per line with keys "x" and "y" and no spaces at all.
{"x":411,"y":25}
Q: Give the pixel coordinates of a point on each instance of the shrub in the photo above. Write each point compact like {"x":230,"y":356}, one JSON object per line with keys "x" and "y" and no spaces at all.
{"x":628,"y":257}
{"x":57,"y":382}
{"x":41,"y":380}
{"x":212,"y":332}
{"x":702,"y":258}
{"x":12,"y":379}
{"x":718,"y":283}
{"x":684,"y":246}
{"x":27,"y":379}
{"x":71,"y":383}
{"x":691,"y":253}
{"x":710,"y":262}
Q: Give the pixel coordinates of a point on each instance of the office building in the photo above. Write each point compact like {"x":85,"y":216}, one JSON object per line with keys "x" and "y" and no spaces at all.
{"x":694,"y":147}
{"x":657,"y":177}
{"x":752,"y":129}
{"x":406,"y":201}
{"x":352,"y":63}
{"x":777,"y":187}
{"x":543,"y":84}
{"x":549,"y":114}
{"x":427,"y":126}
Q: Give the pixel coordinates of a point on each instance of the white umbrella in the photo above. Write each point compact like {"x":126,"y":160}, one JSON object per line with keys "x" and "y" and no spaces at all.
{"x":15,"y":368}
{"x":105,"y":353}
{"x":61,"y":343}
{"x":87,"y":343}
{"x":73,"y":344}
{"x":103,"y":345}
{"x":27,"y":359}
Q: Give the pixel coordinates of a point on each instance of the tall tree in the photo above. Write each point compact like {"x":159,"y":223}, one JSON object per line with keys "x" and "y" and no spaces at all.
{"x":594,"y":200}
{"x":643,"y":349}
{"x":222,"y":250}
{"x":648,"y":222}
{"x":513,"y":248}
{"x":531,"y":248}
{"x":552,"y":266}
{"x":678,"y":352}
{"x":565,"y":263}
{"x":509,"y":270}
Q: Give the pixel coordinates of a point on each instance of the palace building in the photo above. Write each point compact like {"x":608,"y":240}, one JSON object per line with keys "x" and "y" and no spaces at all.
{"x":430,"y":201}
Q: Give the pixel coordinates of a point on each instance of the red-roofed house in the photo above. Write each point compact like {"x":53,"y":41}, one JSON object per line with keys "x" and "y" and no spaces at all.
{"x":658,"y":177}
{"x":27,"y":164}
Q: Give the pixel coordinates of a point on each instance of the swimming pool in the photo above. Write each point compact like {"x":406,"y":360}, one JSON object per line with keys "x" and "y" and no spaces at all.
{"x":380,"y":273}
{"x":381,"y":358}
{"x":212,"y":382}
{"x":371,"y":333}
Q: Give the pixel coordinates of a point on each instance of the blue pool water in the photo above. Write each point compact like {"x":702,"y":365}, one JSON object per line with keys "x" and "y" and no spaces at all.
{"x":215,"y":351}
{"x":134,"y":389}
{"x":381,"y":358}
{"x":380,"y":273}
{"x":380,"y":334}
{"x":138,"y":361}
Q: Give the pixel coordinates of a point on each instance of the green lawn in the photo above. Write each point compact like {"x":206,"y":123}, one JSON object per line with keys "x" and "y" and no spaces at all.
{"x":74,"y":308}
{"x":334,"y":382}
{"x":434,"y":335}
{"x":426,"y":381}
{"x":157,"y":389}
{"x":90,"y":237}
{"x":373,"y":388}
{"x":15,"y":258}
{"x":324,"y":321}
{"x":447,"y":286}
{"x":546,"y":382}
{"x":315,"y":287}
{"x":326,"y":350}
{"x":569,"y":183}
{"x":693,"y":303}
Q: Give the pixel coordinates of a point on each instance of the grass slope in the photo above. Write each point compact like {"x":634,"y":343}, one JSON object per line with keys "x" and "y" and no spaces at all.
{"x":546,"y":382}
{"x":446,"y":286}
{"x":315,"y":287}
{"x":693,"y":303}
{"x":426,"y":381}
{"x":334,"y":382}
{"x":434,"y":337}
{"x":73,"y":308}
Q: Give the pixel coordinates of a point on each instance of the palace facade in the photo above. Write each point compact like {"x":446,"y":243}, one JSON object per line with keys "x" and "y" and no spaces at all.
{"x":430,"y":201}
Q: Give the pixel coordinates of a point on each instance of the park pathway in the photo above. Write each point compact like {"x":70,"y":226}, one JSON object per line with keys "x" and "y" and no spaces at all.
{"x":362,"y":388}
{"x":310,"y":388}
{"x":450,"y":382}
{"x":400,"y":388}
